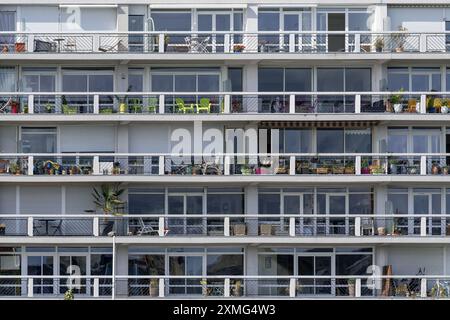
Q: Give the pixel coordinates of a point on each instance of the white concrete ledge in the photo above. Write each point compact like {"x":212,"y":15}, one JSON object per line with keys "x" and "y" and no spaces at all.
{"x":232,"y":179}
{"x":374,"y":56}
{"x":238,"y":117}
{"x":251,"y":240}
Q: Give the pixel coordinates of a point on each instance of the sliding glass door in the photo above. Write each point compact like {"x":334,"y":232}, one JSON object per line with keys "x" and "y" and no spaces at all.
{"x":185,"y":265}
{"x":186,"y":204}
{"x":315,"y":265}
{"x":42,"y":266}
{"x":214,"y":21}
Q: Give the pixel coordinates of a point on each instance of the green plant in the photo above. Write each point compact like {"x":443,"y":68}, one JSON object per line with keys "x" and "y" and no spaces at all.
{"x":397,"y":98}
{"x":379,"y":43}
{"x":15,"y":167}
{"x":351,"y":281}
{"x":68,"y":295}
{"x":123,"y":99}
{"x":107,"y":197}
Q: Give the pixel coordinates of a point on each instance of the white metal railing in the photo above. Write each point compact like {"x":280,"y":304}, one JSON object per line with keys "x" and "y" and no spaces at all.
{"x":106,"y":103}
{"x":211,"y":42}
{"x":260,"y":164}
{"x":226,"y":286}
{"x":225,"y":225}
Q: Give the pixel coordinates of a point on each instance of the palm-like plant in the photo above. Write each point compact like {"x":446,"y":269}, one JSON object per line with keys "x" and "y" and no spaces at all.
{"x":108,"y":197}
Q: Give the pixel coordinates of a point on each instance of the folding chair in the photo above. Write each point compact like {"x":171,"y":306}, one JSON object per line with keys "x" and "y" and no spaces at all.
{"x":147,"y":229}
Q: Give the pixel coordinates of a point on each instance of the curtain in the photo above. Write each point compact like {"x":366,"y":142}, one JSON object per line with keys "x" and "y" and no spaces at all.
{"x":7,"y":79}
{"x":7,"y":23}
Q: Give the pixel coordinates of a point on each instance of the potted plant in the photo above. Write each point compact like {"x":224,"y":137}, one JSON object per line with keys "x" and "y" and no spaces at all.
{"x":15,"y":168}
{"x":237,"y":289}
{"x":349,"y":168}
{"x":68,"y":295}
{"x":166,"y":42}
{"x":154,"y":287}
{"x":2,"y":229}
{"x":351,"y":287}
{"x":379,"y":44}
{"x":123,"y":107}
{"x":116,"y":168}
{"x":381,"y":231}
{"x":205,"y":289}
{"x":444,"y":169}
{"x":396,"y":100}
{"x":365,"y":167}
{"x":107,"y":199}
{"x":399,"y":39}
{"x":246,"y":170}
{"x":445,"y":106}
{"x":238,"y":48}
{"x":435,"y":168}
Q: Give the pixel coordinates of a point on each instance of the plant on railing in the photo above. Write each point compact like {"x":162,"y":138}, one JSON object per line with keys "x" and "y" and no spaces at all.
{"x":440,"y":290}
{"x":107,"y":198}
{"x":379,"y":44}
{"x":123,"y":107}
{"x":15,"y":168}
{"x":237,"y":289}
{"x":396,"y":101}
{"x":351,"y":287}
{"x":238,"y":48}
{"x":51,"y":167}
{"x":68,"y":295}
{"x":365,"y":167}
{"x":399,"y":39}
{"x":154,"y":287}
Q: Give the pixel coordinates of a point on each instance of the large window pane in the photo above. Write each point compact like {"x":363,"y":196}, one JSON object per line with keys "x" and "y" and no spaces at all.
{"x":330,"y":79}
{"x":162,"y":83}
{"x":172,"y":21}
{"x":146,"y":203}
{"x":330,"y":140}
{"x":269,"y":203}
{"x":225,"y":264}
{"x":208,"y":83}
{"x":270,"y":79}
{"x":358,"y":141}
{"x":357,"y":79}
{"x":297,"y":79}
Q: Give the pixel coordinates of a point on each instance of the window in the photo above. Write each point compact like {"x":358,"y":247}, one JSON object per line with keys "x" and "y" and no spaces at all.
{"x":330,"y":140}
{"x":284,"y":79}
{"x":224,"y":264}
{"x":38,"y":140}
{"x":414,"y":79}
{"x":225,"y":201}
{"x":166,"y":20}
{"x":150,"y":201}
{"x":295,"y":140}
{"x":269,"y":203}
{"x":358,"y":141}
{"x":7,"y":79}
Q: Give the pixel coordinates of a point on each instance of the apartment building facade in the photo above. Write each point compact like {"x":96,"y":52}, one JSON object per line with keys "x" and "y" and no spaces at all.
{"x":284,"y":149}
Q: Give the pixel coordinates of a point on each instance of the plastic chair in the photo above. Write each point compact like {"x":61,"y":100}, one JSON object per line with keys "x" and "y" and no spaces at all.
{"x":204,"y":105}
{"x":182,"y":107}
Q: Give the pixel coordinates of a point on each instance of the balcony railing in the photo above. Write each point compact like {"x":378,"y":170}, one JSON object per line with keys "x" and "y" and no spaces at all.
{"x":157,"y":164}
{"x":213,"y":103}
{"x":184,"y":42}
{"x":229,"y":225}
{"x":227,"y":286}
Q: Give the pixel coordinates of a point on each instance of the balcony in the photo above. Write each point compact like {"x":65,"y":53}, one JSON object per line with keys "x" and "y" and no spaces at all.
{"x":144,"y":227}
{"x":217,"y":42}
{"x":227,"y":286}
{"x":114,"y":167}
{"x":140,"y":104}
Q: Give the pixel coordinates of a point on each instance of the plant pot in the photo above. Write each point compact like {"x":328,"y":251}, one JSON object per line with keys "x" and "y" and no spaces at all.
{"x":444,"y":109}
{"x":123,"y":108}
{"x":379,"y":49}
{"x":351,"y":289}
{"x":398,"y":107}
{"x":381,"y":231}
{"x":399,"y":49}
{"x":153,"y":289}
{"x":435,"y":169}
{"x":19,"y":47}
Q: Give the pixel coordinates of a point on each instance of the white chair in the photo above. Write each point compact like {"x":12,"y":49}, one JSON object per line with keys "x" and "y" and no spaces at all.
{"x":146,"y":228}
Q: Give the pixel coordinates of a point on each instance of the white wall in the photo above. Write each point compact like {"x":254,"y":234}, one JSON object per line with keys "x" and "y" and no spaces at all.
{"x":40,"y":199}
{"x":152,"y":137}
{"x":7,"y":199}
{"x":88,"y":138}
{"x":417,"y":19}
{"x":78,"y":199}
{"x":408,"y":259}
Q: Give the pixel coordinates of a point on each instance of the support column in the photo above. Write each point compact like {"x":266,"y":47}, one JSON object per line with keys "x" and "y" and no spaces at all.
{"x":250,"y":85}
{"x":122,"y":270}
{"x":251,"y":263}
{"x":251,"y":194}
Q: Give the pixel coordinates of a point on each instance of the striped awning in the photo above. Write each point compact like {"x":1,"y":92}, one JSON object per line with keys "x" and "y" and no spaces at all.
{"x":318,"y":124}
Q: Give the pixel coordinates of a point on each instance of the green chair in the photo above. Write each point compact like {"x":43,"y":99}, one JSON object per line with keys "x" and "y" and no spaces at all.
{"x":204,"y":105}
{"x":152,"y":105}
{"x":182,"y":107}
